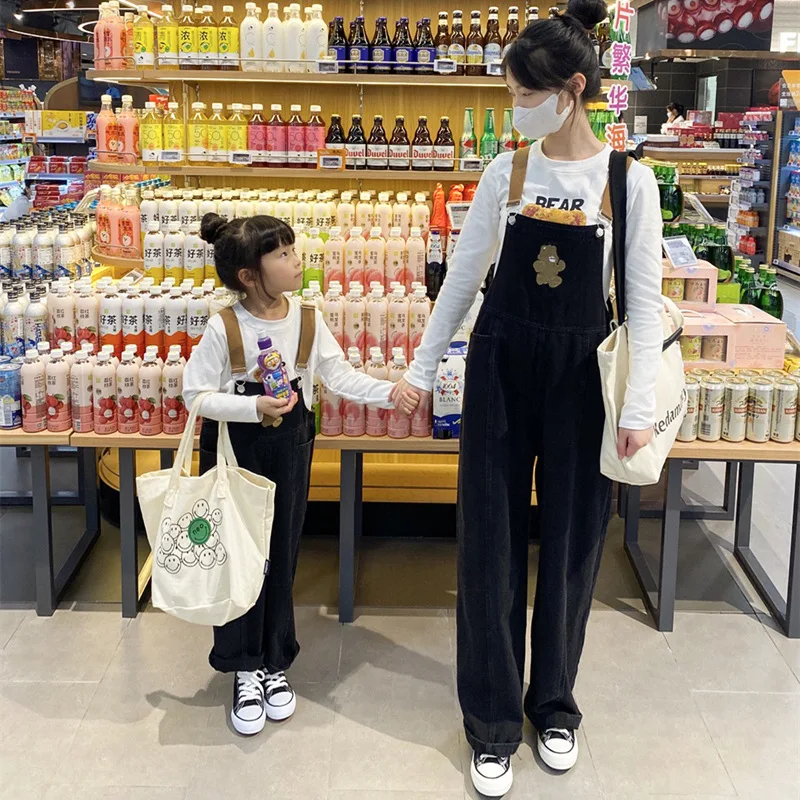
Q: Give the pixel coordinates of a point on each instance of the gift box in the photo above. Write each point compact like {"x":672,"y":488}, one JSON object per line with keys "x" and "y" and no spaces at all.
{"x":708,"y":340}
{"x":692,"y":287}
{"x":759,"y":339}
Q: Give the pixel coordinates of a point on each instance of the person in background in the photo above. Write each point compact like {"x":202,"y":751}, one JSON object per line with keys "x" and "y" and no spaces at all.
{"x":675,"y":112}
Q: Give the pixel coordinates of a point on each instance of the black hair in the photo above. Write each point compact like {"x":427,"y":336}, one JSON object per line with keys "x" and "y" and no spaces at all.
{"x":550,"y":51}
{"x":240,"y":244}
{"x":677,"y":108}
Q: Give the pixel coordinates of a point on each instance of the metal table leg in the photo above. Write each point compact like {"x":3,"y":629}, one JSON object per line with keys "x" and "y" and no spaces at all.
{"x":43,"y":527}
{"x":350,"y":525}
{"x":127,"y":529}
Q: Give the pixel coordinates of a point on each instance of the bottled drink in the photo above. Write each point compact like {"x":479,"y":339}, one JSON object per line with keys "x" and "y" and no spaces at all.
{"x":314,"y":137}
{"x":294,"y":35}
{"x":458,"y":43}
{"x":468,"y":145}
{"x":380,"y":51}
{"x":151,"y":135}
{"x":488,"y":149}
{"x":771,"y":299}
{"x":167,"y":40}
{"x":187,"y":39}
{"x":444,"y":148}
{"x":144,"y":40}
{"x":316,"y":47}
{"x":173,"y":131}
{"x":129,"y":123}
{"x":358,"y":48}
{"x":106,"y":139}
{"x":257,"y":136}
{"x":337,"y":42}
{"x":750,"y":291}
{"x":475,"y":45}
{"x":356,"y":146}
{"x":335,"y":138}
{"x":493,"y":42}
{"x":150,"y":420}
{"x":236,"y":131}
{"x":277,"y":147}
{"x":377,"y":146}
{"x":198,"y":134}
{"x":553,"y":12}
{"x":217,"y":149}
{"x":435,"y":265}
{"x":399,"y":146}
{"x":425,"y":47}
{"x":208,"y":40}
{"x":272,"y":40}
{"x":403,"y":47}
{"x":422,"y":147}
{"x":296,"y":138}
{"x":250,"y":34}
{"x":512,"y":28}
{"x":376,"y":419}
{"x":507,"y":141}
{"x":442,"y":40}
{"x":228,"y":40}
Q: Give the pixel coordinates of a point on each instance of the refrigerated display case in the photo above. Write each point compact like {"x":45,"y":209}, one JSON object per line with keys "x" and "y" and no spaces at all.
{"x":786,"y":206}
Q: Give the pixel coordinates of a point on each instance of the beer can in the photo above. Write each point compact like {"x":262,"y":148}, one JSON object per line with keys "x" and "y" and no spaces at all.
{"x":713,"y":348}
{"x":695,"y":290}
{"x":748,"y":373}
{"x":759,"y":410}
{"x":734,"y":415}
{"x":784,"y":411}
{"x":724,"y":373}
{"x":688,"y":429}
{"x":691,"y":347}
{"x":773,"y":373}
{"x":10,"y":396}
{"x":699,"y":372}
{"x":712,"y":401}
{"x":673,"y":288}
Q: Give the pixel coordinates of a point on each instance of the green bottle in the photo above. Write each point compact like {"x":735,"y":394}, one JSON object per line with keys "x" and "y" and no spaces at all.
{"x":507,"y":140}
{"x":771,"y":299}
{"x":467,"y":147}
{"x":750,"y":291}
{"x":488,"y":147}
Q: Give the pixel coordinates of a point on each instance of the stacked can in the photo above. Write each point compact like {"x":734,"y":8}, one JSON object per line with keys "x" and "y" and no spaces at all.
{"x":734,"y":418}
{"x":784,"y":411}
{"x":759,"y":414}
{"x":691,"y":420}
{"x":711,"y":405}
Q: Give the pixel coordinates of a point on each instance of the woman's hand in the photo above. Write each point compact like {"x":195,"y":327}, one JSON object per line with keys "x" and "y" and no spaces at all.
{"x":273,"y":407}
{"x":630,"y":442}
{"x":405,"y":397}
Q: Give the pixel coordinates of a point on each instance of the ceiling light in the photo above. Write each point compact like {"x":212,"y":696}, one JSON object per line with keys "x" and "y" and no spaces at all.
{"x":70,"y":3}
{"x":18,"y":15}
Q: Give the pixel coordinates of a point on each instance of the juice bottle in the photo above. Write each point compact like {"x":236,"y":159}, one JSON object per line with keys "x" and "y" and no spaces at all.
{"x":364,"y":211}
{"x":129,"y":226}
{"x":375,"y":252}
{"x":194,"y":256}
{"x":34,"y":401}
{"x":133,"y":350}
{"x":330,"y":413}
{"x":80,"y":379}
{"x":175,"y":320}
{"x":43,"y":349}
{"x":35,"y":319}
{"x":152,"y":135}
{"x":401,"y":214}
{"x":150,"y":396}
{"x":399,"y":425}
{"x":154,"y":320}
{"x":333,"y":313}
{"x":354,"y":414}
{"x":398,"y":321}
{"x":208,"y":40}
{"x":57,"y":388}
{"x":153,"y":252}
{"x":106,"y":120}
{"x":197,"y":138}
{"x":346,"y":214}
{"x":196,"y":318}
{"x":421,"y":418}
{"x":396,"y":259}
{"x":167,"y":211}
{"x":127,"y":395}
{"x":314,"y":136}
{"x":109,"y":350}
{"x":174,"y":137}
{"x":420,"y":214}
{"x":130,"y":131}
{"x":257,"y":136}
{"x":114,"y":39}
{"x":415,"y":257}
{"x":173,"y":252}
{"x":187,"y":211}
{"x":376,"y":320}
{"x":111,"y":320}
{"x":316,"y":39}
{"x":294,"y":41}
{"x":188,"y":39}
{"x":236,"y":133}
{"x":272,"y":44}
{"x":173,"y":408}
{"x":228,"y":40}
{"x":216,"y":148}
{"x":144,"y":39}
{"x":354,"y":258}
{"x":354,"y":314}
{"x":87,"y":317}
{"x":105,"y":395}
{"x":97,"y":35}
{"x":133,"y":320}
{"x":296,"y":138}
{"x":314,"y":258}
{"x":167,"y":36}
{"x":382,"y":215}
{"x":227,"y":208}
{"x":334,"y":259}
{"x":62,"y":316}
{"x":207,"y":205}
{"x":376,"y":417}
{"x":419,"y":312}
{"x":277,"y":146}
{"x":250,"y":40}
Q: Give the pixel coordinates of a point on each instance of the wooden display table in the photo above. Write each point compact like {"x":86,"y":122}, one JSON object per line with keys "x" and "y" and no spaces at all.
{"x":50,"y":585}
{"x":744,"y":455}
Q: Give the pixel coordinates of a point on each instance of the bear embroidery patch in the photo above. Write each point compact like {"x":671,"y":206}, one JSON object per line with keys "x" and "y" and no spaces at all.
{"x":192,"y":541}
{"x":548,"y":265}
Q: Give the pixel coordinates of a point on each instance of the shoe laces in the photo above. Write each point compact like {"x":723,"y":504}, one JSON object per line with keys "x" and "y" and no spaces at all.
{"x":275,"y":682}
{"x":558,"y":733}
{"x":485,"y":758}
{"x":249,"y":686}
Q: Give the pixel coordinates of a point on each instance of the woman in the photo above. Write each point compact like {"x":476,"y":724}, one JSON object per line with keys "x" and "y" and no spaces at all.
{"x":533,"y":391}
{"x":675,"y":112}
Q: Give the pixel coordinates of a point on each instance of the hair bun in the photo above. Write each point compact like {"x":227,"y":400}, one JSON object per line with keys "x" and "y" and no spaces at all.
{"x":588,"y":12}
{"x":212,"y":226}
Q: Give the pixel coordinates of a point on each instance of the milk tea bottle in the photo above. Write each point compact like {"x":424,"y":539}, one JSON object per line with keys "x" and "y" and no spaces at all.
{"x":421,"y":214}
{"x":330,"y":413}
{"x":345,"y":214}
{"x":175,"y":320}
{"x":59,"y":415}
{"x":415,"y":258}
{"x":395,"y":259}
{"x":196,"y":318}
{"x":375,"y":257}
{"x":87,"y":317}
{"x":173,"y":252}
{"x":376,"y":417}
{"x":34,"y":400}
{"x":194,"y":255}
{"x":398,"y":321}
{"x":333,"y":313}
{"x":383,"y":214}
{"x":421,"y":424}
{"x":399,"y":425}
{"x":354,"y":251}
{"x":105,"y":395}
{"x":376,"y":321}
{"x":173,"y":408}
{"x":154,"y":319}
{"x":109,"y":350}
{"x":150,"y":397}
{"x":354,"y":313}
{"x":401,"y":214}
{"x":364,"y":211}
{"x":133,"y":320}
{"x":127,"y":395}
{"x":43,"y":348}
{"x":334,"y":258}
{"x":354,"y":414}
{"x":419,"y":312}
{"x":80,"y":378}
{"x":111,"y":320}
{"x":62,"y":315}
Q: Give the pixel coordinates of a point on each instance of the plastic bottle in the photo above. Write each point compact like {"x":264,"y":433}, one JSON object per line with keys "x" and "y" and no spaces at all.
{"x":111,"y":320}
{"x":33,"y":389}
{"x":173,"y":252}
{"x":399,"y":425}
{"x":35,"y":320}
{"x":133,"y":321}
{"x":127,"y":378}
{"x":283,"y":209}
{"x":376,"y":417}
{"x":354,"y":414}
{"x":396,"y":260}
{"x":115,"y":39}
{"x":216,"y":151}
{"x":354,"y":314}
{"x":61,"y":306}
{"x":153,"y":252}
{"x":273,"y":370}
{"x":334,"y":258}
{"x":250,"y":40}
{"x":420,"y":214}
{"x":398,"y":321}
{"x":22,"y":254}
{"x":277,"y":145}
{"x":364,"y":212}
{"x":314,"y":261}
{"x":345,"y":214}
{"x":194,"y":255}
{"x":210,"y":269}
{"x":130,"y":131}
{"x":42,"y":252}
{"x":43,"y":348}
{"x":144,"y":40}
{"x":175,"y":332}
{"x":257,"y":137}
{"x":167,"y":211}
{"x":129,"y":226}
{"x":228,"y":40}
{"x":272,"y":45}
{"x":133,"y":350}
{"x":173,"y":408}
{"x":167,"y":37}
{"x":376,"y":320}
{"x":375,"y":257}
{"x":401,"y":214}
{"x":294,"y":41}
{"x":109,"y":350}
{"x":196,"y":318}
{"x":80,"y":379}
{"x":226,"y":207}
{"x":154,"y":320}
{"x":236,"y":136}
{"x":197,"y":135}
{"x":316,"y":48}
{"x":151,"y":134}
{"x":13,"y":324}
{"x":330,"y":413}
{"x":105,"y":395}
{"x":354,"y":251}
{"x":207,"y":40}
{"x":87,"y":317}
{"x":296,"y":138}
{"x":382,"y":215}
{"x":188,"y":44}
{"x":150,"y":423}
{"x":419,"y":312}
{"x":59,"y":413}
{"x":174,"y":134}
{"x":97,"y":35}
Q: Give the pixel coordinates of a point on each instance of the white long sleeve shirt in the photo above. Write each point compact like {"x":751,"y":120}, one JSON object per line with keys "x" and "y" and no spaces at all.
{"x":568,"y":185}
{"x":209,"y":368}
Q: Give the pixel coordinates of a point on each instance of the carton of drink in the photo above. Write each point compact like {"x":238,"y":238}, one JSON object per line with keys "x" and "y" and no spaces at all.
{"x":448,"y":392}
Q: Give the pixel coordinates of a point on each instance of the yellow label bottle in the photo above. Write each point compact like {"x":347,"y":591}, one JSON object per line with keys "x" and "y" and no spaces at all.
{"x":217,"y":149}
{"x":208,"y":40}
{"x":236,"y":132}
{"x":197,"y":134}
{"x":228,"y":40}
{"x":174,"y":138}
{"x":187,"y":39}
{"x":167,"y":35}
{"x":144,"y":40}
{"x":151,"y":135}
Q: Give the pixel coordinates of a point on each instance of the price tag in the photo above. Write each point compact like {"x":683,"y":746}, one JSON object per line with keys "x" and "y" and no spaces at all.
{"x":327,"y":67}
{"x":445,"y":66}
{"x":171,"y":156}
{"x":495,"y":68}
{"x":330,"y":159}
{"x":472,"y":164}
{"x":240,"y":157}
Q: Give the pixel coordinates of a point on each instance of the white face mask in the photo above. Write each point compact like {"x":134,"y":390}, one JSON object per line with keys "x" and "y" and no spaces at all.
{"x":541,"y":120}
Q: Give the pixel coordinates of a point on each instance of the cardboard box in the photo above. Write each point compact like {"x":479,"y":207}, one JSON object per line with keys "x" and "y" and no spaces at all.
{"x":703,"y":272}
{"x":759,"y":339}
{"x":714,"y":332}
{"x":63,"y":124}
{"x":789,"y":248}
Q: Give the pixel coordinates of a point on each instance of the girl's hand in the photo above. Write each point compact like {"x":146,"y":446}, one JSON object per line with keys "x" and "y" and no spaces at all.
{"x":630,"y":442}
{"x":405,"y":397}
{"x":273,"y":407}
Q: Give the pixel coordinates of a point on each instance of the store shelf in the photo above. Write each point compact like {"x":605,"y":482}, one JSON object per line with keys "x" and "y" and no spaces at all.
{"x":12,"y":115}
{"x":46,"y":176}
{"x":15,"y":161}
{"x":792,"y":269}
{"x":794,"y":230}
{"x":19,"y":438}
{"x":10,"y":138}
{"x":713,"y":198}
{"x":7,"y":184}
{"x":59,"y":140}
{"x":690,"y":153}
{"x":707,"y":177}
{"x":262,"y":172}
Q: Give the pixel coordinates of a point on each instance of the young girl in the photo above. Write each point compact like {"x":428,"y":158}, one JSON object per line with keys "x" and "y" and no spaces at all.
{"x":272,"y":437}
{"x":533,"y":391}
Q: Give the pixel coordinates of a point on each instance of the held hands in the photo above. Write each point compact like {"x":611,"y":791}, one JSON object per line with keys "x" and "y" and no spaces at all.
{"x":629,"y":442}
{"x":273,"y":407}
{"x":405,"y":397}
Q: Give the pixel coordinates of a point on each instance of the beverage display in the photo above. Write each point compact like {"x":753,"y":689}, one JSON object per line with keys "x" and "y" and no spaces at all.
{"x":354,"y":417}
{"x":273,"y":370}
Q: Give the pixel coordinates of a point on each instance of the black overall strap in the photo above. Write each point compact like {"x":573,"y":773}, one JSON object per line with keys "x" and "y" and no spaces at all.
{"x":618,"y":164}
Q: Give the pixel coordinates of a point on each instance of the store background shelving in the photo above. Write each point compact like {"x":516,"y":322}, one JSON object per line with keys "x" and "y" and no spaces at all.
{"x":785,"y":251}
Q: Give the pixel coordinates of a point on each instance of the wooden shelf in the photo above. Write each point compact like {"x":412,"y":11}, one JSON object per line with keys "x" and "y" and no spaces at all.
{"x":117,"y":261}
{"x":455,"y":176}
{"x":19,"y":438}
{"x":713,"y":198}
{"x":682,"y":178}
{"x":161,"y":441}
{"x":737,"y":451}
{"x":696,"y":153}
{"x":384,"y":444}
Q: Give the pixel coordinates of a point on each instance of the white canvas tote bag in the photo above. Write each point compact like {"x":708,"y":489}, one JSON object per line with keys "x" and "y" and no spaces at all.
{"x":210,"y":535}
